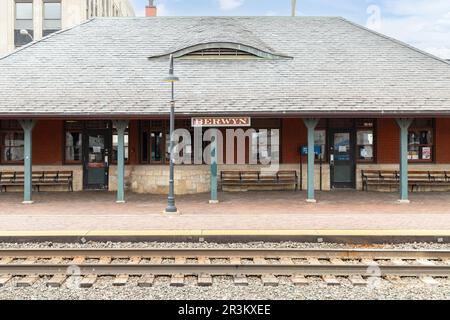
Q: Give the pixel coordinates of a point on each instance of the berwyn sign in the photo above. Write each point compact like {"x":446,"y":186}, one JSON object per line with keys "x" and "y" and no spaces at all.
{"x":221,"y":122}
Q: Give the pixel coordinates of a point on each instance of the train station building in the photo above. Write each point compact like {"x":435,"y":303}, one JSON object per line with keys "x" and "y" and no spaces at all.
{"x":334,"y":98}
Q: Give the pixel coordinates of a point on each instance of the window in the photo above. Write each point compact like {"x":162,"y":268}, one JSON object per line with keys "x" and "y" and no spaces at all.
{"x":23,"y":21}
{"x":153,"y":139}
{"x":115,"y":144}
{"x":420,"y":140}
{"x":365,"y":140}
{"x":12,"y":142}
{"x":219,"y":53}
{"x":73,"y":141}
{"x":52,"y":17}
{"x":320,"y":138}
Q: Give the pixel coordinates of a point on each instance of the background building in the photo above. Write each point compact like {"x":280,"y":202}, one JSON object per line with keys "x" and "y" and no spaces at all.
{"x":43,"y":17}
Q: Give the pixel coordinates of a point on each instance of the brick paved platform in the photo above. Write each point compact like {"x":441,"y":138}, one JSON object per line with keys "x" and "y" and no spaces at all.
{"x":336,"y":210}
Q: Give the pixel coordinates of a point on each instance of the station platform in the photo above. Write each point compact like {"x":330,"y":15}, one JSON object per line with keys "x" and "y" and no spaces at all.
{"x":280,"y":215}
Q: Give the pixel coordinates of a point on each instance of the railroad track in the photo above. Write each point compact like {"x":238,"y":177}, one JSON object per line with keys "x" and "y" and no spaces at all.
{"x":24,"y":267}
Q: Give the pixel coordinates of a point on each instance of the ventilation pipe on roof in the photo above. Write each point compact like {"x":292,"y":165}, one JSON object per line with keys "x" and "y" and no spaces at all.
{"x":294,"y":5}
{"x":150,"y":10}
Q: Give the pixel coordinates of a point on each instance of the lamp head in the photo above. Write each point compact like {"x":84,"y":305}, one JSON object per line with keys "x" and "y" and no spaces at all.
{"x":171,"y":77}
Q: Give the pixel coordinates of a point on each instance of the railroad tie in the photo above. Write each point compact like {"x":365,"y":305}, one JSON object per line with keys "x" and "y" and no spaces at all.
{"x":177,"y":280}
{"x":425,"y":262}
{"x":299,"y":280}
{"x":235,"y":260}
{"x":88,"y":281}
{"x":56,"y":281}
{"x":286,"y":260}
{"x":78,"y":260}
{"x":398,"y":262}
{"x":6,"y":260}
{"x":105,"y":260}
{"x":369,"y":262}
{"x":203,"y":260}
{"x":429,"y":281}
{"x":240,"y":280}
{"x":358,"y":280}
{"x":393,"y":279}
{"x":121,"y":280}
{"x":134,"y":260}
{"x":180,"y":260}
{"x":331,"y":280}
{"x":27,"y":281}
{"x":269,"y":280}
{"x":56,"y":260}
{"x":30,"y":260}
{"x":146,"y":281}
{"x":259,"y":260}
{"x":312,"y":260}
{"x":4,"y":279}
{"x":204,"y":280}
{"x":156,"y":260}
{"x":336,"y":261}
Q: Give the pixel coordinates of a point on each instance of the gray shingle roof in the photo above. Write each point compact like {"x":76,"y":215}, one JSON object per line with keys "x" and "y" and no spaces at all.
{"x":101,"y":67}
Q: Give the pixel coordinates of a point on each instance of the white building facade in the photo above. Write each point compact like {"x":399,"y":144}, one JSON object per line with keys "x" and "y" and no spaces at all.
{"x":43,"y":17}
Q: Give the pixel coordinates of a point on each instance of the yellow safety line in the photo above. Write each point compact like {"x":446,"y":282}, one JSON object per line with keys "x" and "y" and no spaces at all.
{"x":199,"y":233}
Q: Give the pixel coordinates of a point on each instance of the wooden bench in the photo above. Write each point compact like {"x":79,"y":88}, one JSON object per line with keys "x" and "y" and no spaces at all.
{"x":259,"y":178}
{"x":38,"y":179}
{"x":415,"y":178}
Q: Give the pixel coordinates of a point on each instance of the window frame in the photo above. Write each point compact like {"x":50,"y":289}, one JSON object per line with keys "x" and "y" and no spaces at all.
{"x":359,"y":128}
{"x":65,"y":130}
{"x":3,"y":131}
{"x":432,"y":145}
{"x":44,"y":2}
{"x":32,"y":34}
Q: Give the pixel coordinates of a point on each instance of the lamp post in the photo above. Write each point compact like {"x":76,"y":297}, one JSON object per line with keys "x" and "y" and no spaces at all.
{"x":24,"y":32}
{"x":171,"y":78}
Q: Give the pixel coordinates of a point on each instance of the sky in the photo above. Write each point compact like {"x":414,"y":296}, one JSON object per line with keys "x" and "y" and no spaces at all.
{"x":424,"y":24}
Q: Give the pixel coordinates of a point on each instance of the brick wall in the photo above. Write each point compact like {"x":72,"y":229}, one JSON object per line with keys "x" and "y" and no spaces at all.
{"x":388,"y":141}
{"x":48,"y":142}
{"x":442,"y":141}
{"x":293,"y":135}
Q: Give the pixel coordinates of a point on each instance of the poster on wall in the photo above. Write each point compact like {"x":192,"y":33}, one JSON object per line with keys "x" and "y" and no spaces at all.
{"x":426,"y":153}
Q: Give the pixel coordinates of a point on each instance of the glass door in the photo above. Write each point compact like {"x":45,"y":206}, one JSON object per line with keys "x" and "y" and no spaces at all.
{"x":342,"y":159}
{"x":97,"y":146}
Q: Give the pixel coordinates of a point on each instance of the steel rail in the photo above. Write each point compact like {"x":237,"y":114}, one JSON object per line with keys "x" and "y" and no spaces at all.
{"x":228,"y":252}
{"x":227,"y":269}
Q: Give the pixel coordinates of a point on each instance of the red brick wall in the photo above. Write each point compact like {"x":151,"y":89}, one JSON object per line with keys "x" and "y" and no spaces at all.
{"x":133,"y":141}
{"x":293,"y":135}
{"x":442,"y":141}
{"x":388,"y":141}
{"x":48,"y":142}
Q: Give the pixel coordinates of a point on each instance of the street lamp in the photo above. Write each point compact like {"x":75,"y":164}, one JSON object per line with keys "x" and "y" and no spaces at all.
{"x":24,"y":32}
{"x":171,"y":78}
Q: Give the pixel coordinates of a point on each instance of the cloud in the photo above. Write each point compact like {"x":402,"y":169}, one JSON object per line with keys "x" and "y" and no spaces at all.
{"x":422,"y":23}
{"x":417,"y":7}
{"x":230,"y":4}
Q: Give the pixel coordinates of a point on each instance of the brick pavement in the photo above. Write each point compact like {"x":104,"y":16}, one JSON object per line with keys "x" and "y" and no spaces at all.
{"x":284,"y":210}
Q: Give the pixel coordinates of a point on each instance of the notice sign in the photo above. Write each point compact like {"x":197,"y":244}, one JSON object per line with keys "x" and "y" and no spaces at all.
{"x":221,"y":122}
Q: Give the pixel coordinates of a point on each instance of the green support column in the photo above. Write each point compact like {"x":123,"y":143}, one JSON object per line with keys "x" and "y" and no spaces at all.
{"x":27,"y":126}
{"x":311,"y":125}
{"x":121,"y":126}
{"x":214,"y":169}
{"x":404,"y":125}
